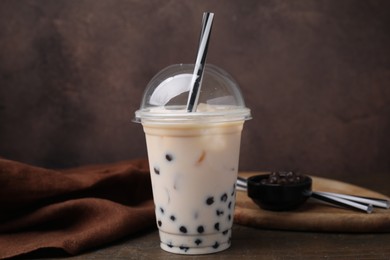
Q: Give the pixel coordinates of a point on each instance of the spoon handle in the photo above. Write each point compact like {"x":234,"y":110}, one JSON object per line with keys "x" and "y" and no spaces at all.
{"x":341,"y":202}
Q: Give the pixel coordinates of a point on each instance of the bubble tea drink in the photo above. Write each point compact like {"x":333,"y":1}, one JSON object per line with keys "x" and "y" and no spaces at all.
{"x":193,"y":157}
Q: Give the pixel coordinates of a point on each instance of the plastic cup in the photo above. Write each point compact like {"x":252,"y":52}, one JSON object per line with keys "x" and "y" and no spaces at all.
{"x":193,"y":157}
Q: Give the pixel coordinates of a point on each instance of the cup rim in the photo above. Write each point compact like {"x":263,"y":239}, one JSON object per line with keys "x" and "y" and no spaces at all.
{"x":172,"y":116}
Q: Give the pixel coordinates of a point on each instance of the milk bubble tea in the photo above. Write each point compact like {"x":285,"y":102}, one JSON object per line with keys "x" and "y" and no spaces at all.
{"x":193,"y":171}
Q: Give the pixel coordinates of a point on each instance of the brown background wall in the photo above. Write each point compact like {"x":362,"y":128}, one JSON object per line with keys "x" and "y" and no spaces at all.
{"x":316,"y":75}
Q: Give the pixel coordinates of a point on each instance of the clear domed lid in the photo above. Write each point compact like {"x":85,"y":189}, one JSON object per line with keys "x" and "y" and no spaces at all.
{"x":166,"y":95}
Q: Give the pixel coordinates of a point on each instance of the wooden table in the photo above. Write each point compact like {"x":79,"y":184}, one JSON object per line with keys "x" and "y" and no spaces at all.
{"x":252,"y":243}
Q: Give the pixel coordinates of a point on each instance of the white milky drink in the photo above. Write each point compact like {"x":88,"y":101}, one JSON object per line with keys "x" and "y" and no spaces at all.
{"x":193,"y":157}
{"x":193,"y":171}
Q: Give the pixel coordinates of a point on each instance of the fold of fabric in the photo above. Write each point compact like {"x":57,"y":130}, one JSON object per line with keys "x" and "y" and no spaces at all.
{"x":74,"y":209}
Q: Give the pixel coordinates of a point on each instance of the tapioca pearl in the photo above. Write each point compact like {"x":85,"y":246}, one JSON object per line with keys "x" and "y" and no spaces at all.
{"x":225,"y":232}
{"x":168,"y":157}
{"x":219,"y":212}
{"x":233,"y":190}
{"x":229,"y":218}
{"x":161,"y":210}
{"x":170,"y":244}
{"x":184,"y":248}
{"x":230,"y":205}
{"x":159,"y":223}
{"x":224,"y":197}
{"x":156,"y":170}
{"x":200,"y":229}
{"x":198,"y":242}
{"x":183,"y":229}
{"x":210,"y":200}
{"x":216,"y":245}
{"x":172,"y":217}
{"x":216,"y":226}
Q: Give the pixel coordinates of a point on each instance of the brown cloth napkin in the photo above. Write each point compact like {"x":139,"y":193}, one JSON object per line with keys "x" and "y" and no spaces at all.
{"x":75,"y":209}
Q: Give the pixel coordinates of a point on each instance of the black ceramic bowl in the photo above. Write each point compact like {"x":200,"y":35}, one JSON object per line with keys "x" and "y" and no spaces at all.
{"x":278,"y":197}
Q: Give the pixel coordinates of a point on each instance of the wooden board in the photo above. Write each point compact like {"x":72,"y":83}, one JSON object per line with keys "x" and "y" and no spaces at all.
{"x":314,"y":215}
